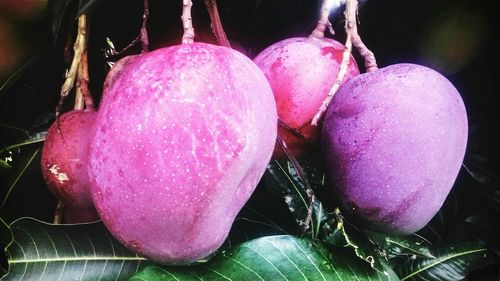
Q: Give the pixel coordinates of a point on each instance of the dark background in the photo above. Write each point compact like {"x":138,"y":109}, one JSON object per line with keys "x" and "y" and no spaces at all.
{"x":454,"y":37}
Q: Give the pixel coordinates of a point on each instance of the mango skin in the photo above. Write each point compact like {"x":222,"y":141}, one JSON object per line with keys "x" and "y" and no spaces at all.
{"x":182,"y":138}
{"x":301,"y":71}
{"x":394,"y":141}
{"x":64,"y":164}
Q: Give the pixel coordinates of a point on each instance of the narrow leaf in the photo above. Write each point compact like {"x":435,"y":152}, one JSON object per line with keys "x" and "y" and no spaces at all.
{"x":5,"y":234}
{"x":478,"y":168}
{"x":58,"y":8}
{"x":19,"y":72}
{"x":351,"y":237}
{"x":21,"y":163}
{"x":17,"y":158}
{"x":35,"y":140}
{"x":15,"y":129}
{"x":450,"y":263}
{"x":273,"y":258}
{"x":49,"y":252}
{"x":4,"y":165}
{"x":249,"y":225}
{"x":480,"y":171}
{"x":485,"y":227}
{"x":395,"y":246}
{"x":283,"y":181}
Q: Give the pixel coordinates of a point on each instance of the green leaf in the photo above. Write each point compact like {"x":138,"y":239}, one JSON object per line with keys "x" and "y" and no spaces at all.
{"x":49,"y":252}
{"x":282,"y":180}
{"x":481,"y":170}
{"x":273,"y":258}
{"x":351,"y":237}
{"x":5,"y":165}
{"x":86,"y":6}
{"x":58,"y":9}
{"x":395,"y":246}
{"x":485,"y":227}
{"x":18,"y":157}
{"x":249,"y":225}
{"x":21,"y":163}
{"x":450,"y":263}
{"x":326,"y":225}
{"x":19,"y":72}
{"x":313,"y":171}
{"x":39,"y":138}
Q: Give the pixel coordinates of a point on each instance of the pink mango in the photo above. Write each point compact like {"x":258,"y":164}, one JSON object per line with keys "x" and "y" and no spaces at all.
{"x":64,"y":164}
{"x":301,"y":72}
{"x":182,"y":138}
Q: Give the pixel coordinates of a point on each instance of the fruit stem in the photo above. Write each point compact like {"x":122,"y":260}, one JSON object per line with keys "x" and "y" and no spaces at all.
{"x":352,"y":28}
{"x":83,"y":96}
{"x":216,"y":23}
{"x":340,"y":75}
{"x":79,"y":48}
{"x":187,"y":23}
{"x":58,"y":213}
{"x":142,"y":36}
{"x":353,"y":38}
{"x":323,"y":22}
{"x":144,"y":29}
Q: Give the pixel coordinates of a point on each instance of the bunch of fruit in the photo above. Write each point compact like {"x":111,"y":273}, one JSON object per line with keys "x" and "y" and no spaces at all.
{"x":184,"y":133}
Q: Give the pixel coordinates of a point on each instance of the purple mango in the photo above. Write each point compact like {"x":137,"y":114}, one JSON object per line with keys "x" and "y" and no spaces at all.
{"x":394,"y":141}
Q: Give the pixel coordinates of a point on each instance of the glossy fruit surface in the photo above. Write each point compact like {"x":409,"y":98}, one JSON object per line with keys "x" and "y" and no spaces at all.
{"x":394,"y":142}
{"x":301,"y":72}
{"x":64,"y":164}
{"x":182,"y":137}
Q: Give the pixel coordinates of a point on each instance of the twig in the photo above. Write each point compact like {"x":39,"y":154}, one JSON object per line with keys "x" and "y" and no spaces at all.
{"x":142,"y":36}
{"x":83,"y":96}
{"x":58,"y":213}
{"x":79,"y":102}
{"x":340,"y":76}
{"x":303,"y":179}
{"x":216,"y":23}
{"x":368,"y":56}
{"x":187,"y":23}
{"x":323,"y":22}
{"x":79,"y":48}
{"x":353,"y":38}
{"x":144,"y":28}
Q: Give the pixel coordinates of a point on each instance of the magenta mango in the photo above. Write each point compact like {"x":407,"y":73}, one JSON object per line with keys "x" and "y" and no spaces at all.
{"x":394,"y":140}
{"x":182,"y":137}
{"x":301,"y":72}
{"x":64,"y":164}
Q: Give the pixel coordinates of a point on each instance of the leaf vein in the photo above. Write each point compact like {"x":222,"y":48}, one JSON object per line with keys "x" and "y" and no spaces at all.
{"x":244,"y":266}
{"x":330,"y":262}
{"x":266,"y":259}
{"x":216,"y":272}
{"x":309,"y":258}
{"x":288,"y":258}
{"x":438,"y":261}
